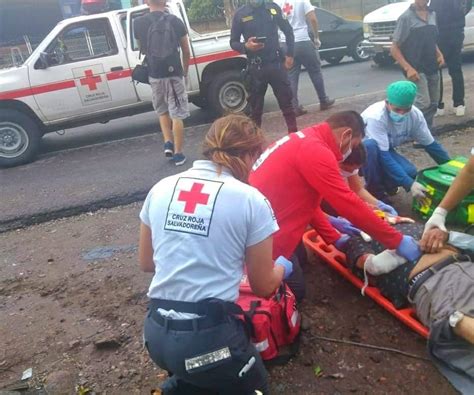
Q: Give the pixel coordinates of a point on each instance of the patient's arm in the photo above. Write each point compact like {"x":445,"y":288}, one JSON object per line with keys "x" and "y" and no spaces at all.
{"x":462,"y":241}
{"x":465,"y":329}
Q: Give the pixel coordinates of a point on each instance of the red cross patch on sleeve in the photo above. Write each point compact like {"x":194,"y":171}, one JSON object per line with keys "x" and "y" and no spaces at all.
{"x":192,"y":206}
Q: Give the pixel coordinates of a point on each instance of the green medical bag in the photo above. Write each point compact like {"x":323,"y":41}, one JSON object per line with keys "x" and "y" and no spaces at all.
{"x":437,"y":181}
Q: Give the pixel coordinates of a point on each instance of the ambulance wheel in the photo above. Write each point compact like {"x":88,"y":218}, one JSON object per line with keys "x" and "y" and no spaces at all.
{"x":227,"y":94}
{"x":19,"y":138}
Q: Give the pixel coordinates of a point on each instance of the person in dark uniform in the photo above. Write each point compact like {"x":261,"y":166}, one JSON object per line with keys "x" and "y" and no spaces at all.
{"x":258,"y":22}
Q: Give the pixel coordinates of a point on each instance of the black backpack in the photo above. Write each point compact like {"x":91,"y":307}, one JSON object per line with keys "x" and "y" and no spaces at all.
{"x":162,"y":47}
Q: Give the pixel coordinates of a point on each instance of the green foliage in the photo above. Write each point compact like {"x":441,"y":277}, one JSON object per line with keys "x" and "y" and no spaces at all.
{"x":208,"y":10}
{"x":205,"y":10}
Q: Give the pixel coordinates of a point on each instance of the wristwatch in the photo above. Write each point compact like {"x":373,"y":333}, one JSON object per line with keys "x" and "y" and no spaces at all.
{"x":455,"y":318}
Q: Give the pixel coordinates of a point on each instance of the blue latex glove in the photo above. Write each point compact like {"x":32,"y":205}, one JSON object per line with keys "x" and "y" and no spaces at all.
{"x":344,"y":226}
{"x":287,"y":265}
{"x":387,"y":208}
{"x":409,"y":249}
{"x":341,"y":242}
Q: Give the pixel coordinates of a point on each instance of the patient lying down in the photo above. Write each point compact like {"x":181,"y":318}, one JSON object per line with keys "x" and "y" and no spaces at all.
{"x":440,"y":286}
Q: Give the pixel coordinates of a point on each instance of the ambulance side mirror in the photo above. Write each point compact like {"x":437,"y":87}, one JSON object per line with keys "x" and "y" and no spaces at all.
{"x":43,"y":61}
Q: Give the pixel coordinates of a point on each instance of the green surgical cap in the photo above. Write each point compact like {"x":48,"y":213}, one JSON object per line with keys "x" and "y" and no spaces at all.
{"x":401,"y":93}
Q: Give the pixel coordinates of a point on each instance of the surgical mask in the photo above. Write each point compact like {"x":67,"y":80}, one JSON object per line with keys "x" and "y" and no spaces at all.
{"x":347,"y":174}
{"x":346,"y":154}
{"x":396,"y":117}
{"x":256,"y":3}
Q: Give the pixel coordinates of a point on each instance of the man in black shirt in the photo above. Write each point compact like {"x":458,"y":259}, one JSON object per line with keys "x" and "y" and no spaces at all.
{"x":414,"y":48}
{"x":258,"y":22}
{"x":451,"y":19}
{"x":160,"y":36}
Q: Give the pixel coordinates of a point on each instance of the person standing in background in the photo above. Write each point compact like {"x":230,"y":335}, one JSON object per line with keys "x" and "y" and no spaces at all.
{"x":451,"y":19}
{"x":300,"y":14}
{"x":415,"y":49}
{"x":258,"y":22}
{"x":160,"y":36}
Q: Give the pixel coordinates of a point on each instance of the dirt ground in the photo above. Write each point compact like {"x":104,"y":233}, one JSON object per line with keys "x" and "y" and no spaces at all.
{"x":72,"y":302}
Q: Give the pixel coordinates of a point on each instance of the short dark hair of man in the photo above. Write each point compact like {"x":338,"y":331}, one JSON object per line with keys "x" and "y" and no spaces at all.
{"x":349,"y":119}
{"x":357,"y":157}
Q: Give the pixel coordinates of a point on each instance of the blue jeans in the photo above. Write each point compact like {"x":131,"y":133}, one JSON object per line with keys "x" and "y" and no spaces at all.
{"x":306,"y":55}
{"x":378,"y":181}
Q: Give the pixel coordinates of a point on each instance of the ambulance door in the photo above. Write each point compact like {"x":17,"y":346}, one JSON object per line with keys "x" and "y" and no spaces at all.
{"x":84,"y":71}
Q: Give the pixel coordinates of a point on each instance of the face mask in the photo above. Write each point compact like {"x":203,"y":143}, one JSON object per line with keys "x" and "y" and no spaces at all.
{"x":256,"y":3}
{"x":347,"y":174}
{"x":396,"y":117}
{"x":346,"y":154}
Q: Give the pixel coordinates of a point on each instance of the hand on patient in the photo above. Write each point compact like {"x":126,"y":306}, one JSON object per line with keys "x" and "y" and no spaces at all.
{"x":344,"y":226}
{"x":434,"y":240}
{"x":409,"y":248}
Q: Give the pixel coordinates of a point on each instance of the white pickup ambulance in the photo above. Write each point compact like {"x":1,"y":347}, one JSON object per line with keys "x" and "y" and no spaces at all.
{"x":81,"y":74}
{"x":379,"y":26}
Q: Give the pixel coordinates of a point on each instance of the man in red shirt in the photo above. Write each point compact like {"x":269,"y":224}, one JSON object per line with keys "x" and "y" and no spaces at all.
{"x":301,"y":169}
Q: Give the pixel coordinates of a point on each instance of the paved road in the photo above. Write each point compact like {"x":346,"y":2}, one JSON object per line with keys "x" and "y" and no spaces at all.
{"x":78,"y":174}
{"x":345,"y":79}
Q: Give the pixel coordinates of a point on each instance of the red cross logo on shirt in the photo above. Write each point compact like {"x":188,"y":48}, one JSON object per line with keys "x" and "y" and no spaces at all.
{"x":90,"y":80}
{"x":193,"y":197}
{"x":287,"y":8}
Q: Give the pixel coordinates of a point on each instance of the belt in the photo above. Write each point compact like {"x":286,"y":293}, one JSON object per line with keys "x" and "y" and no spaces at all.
{"x":213,"y":312}
{"x":417,"y":281}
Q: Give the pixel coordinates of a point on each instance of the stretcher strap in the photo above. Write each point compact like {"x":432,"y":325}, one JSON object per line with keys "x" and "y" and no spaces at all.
{"x":337,"y":260}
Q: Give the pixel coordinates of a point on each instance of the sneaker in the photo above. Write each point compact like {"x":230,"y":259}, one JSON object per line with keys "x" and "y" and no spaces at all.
{"x":179,"y":159}
{"x":300,"y":111}
{"x":439,"y":112}
{"x":326,"y":104}
{"x":460,"y":111}
{"x":169,"y":149}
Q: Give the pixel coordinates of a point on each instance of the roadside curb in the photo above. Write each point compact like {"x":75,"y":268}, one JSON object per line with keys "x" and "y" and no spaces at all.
{"x":46,"y":216}
{"x":272,"y":125}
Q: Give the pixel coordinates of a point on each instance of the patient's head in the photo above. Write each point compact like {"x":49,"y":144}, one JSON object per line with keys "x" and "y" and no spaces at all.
{"x":355,"y":160}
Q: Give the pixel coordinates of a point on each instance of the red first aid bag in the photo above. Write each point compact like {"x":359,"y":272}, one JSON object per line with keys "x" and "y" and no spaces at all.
{"x":275,"y":322}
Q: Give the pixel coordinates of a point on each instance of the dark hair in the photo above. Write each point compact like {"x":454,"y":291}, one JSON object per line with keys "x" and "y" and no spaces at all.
{"x":229,"y":140}
{"x":350,"y":119}
{"x":357,"y":157}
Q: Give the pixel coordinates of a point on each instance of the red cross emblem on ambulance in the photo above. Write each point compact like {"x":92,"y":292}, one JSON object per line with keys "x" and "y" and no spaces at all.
{"x":90,"y":80}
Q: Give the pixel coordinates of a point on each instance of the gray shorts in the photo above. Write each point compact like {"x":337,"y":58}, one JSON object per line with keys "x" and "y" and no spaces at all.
{"x":450,"y":290}
{"x":169,"y":96}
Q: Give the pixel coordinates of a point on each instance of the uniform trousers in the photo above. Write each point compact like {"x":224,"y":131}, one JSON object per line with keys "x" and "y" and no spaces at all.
{"x":216,"y":359}
{"x":275,"y":75}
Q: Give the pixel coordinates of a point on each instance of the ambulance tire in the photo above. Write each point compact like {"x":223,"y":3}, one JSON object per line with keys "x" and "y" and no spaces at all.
{"x":227,"y":94}
{"x":20,"y":138}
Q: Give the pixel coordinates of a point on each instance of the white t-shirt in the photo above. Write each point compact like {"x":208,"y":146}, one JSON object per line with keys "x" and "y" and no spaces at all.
{"x":389,"y":134}
{"x":201,"y":224}
{"x":295,"y":11}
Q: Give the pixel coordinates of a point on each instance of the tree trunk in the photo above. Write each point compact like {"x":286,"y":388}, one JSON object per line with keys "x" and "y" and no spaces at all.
{"x":229,"y":10}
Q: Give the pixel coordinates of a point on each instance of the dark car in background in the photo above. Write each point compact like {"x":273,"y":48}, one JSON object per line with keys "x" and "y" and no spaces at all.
{"x":339,"y":37}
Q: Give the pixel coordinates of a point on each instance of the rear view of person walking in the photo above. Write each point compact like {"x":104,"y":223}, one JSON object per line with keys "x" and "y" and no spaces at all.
{"x":451,"y":19}
{"x":300,"y":14}
{"x":160,"y":35}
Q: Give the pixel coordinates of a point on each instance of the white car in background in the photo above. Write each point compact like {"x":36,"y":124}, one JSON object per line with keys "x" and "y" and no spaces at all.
{"x":379,"y":26}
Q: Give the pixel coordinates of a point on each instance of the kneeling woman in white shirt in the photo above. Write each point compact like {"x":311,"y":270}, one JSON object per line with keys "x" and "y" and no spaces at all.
{"x":199,"y":228}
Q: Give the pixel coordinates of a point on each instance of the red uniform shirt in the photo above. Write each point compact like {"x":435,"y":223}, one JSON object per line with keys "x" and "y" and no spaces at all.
{"x":295,"y":174}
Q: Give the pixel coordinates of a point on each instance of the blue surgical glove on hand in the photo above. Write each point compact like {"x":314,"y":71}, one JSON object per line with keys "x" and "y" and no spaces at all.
{"x":344,"y":226}
{"x":387,"y":208}
{"x":409,"y":249}
{"x":341,"y":242}
{"x":287,"y":265}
